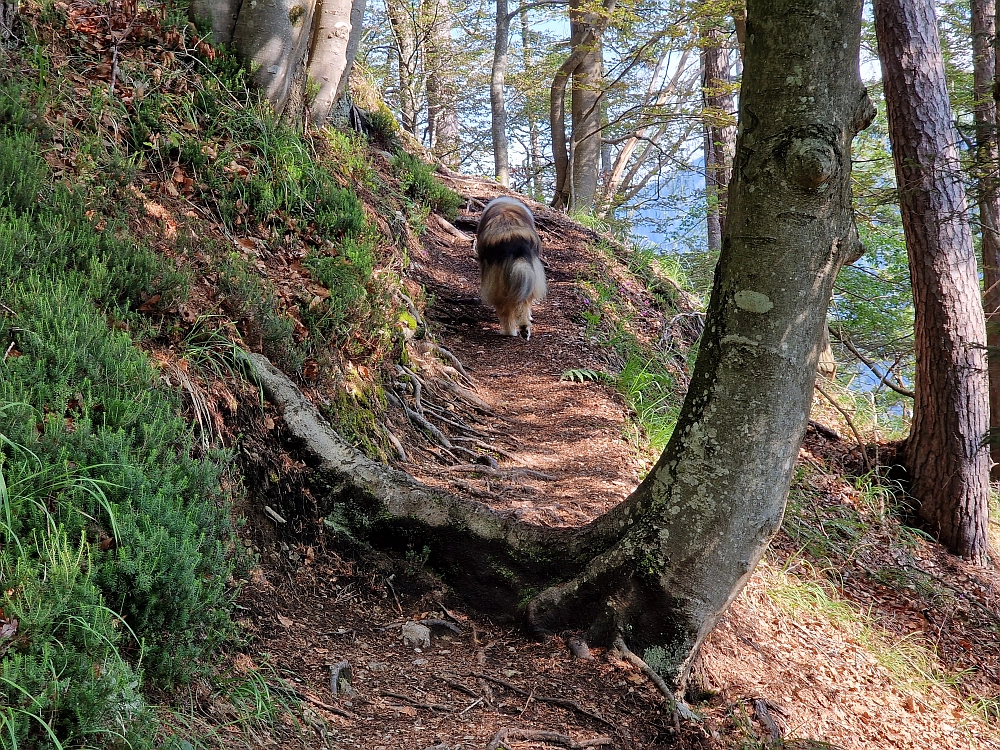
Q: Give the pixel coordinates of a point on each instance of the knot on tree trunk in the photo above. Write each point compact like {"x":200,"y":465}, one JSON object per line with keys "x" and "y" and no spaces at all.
{"x":811,"y":163}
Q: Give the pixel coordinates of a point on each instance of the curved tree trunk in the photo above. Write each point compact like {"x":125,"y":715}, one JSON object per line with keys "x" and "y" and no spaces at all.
{"x":945,"y":455}
{"x":583,"y":37}
{"x":695,"y":528}
{"x":660,"y":568}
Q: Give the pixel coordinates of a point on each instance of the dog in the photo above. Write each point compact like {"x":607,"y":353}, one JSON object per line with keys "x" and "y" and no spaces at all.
{"x":510,"y":269}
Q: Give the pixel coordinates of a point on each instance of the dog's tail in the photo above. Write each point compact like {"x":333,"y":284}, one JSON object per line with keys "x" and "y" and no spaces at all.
{"x":513,"y":282}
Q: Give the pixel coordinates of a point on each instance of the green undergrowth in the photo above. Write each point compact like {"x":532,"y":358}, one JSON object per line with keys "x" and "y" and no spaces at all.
{"x":862,"y":541}
{"x":911,"y":661}
{"x":113,"y":538}
{"x":287,"y":191}
{"x":417,"y":182}
{"x":830,"y":532}
{"x":649,"y":374}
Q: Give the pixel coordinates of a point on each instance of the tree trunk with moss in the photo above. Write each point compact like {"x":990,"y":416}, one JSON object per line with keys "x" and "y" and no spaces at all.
{"x":660,"y":568}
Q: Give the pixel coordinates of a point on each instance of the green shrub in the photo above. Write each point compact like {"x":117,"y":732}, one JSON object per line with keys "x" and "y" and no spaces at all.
{"x":416,"y":179}
{"x":114,"y":538}
{"x":63,"y":679}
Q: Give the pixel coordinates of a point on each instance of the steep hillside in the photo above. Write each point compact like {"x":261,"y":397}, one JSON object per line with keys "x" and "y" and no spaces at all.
{"x":172,"y":574}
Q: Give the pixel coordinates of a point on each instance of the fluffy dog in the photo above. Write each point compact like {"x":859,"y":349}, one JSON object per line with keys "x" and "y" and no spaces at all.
{"x":511,"y":274}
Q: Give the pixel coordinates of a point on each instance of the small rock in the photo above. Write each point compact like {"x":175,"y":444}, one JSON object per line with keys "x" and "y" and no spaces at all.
{"x":416,"y":635}
{"x":376,"y":666}
{"x":419,"y":662}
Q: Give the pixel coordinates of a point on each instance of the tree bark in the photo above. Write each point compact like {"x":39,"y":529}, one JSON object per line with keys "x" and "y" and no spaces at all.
{"x":8,"y":17}
{"x":582,"y":38}
{"x":274,"y":37}
{"x":695,"y":528}
{"x":219,"y":15}
{"x":984,"y":83}
{"x":498,"y":99}
{"x":358,"y":9}
{"x":585,"y":109}
{"x":945,"y":456}
{"x":404,"y":30}
{"x":328,"y":54}
{"x":534,"y":138}
{"x":442,"y":92}
{"x":720,"y":133}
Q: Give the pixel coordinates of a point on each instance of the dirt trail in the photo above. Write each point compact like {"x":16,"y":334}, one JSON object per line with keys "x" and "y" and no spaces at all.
{"x":813,"y":675}
{"x":569,"y":436}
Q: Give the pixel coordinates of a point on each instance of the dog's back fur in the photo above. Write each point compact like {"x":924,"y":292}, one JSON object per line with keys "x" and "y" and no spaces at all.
{"x":511,"y":273}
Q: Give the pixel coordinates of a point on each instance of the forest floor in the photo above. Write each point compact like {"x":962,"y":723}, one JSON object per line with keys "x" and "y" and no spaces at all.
{"x":854,"y":632}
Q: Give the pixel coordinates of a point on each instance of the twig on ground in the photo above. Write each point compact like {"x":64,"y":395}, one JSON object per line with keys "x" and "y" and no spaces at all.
{"x":452,"y":229}
{"x":273,"y":514}
{"x":501,"y":473}
{"x":474,"y":703}
{"x":850,"y":423}
{"x":451,"y":682}
{"x":284,"y":686}
{"x":388,"y":582}
{"x":562,"y":702}
{"x":418,"y":704}
{"x":546,"y":737}
{"x":760,"y":712}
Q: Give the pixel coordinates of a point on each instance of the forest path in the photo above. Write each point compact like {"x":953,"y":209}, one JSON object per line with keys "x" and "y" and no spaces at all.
{"x":565,"y":453}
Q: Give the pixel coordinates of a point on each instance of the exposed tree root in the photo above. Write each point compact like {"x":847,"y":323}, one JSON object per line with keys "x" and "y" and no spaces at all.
{"x":495,"y":556}
{"x":562,"y":702}
{"x":675,"y":704}
{"x":503,"y":473}
{"x":549,"y":738}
